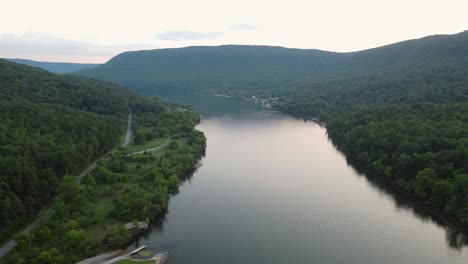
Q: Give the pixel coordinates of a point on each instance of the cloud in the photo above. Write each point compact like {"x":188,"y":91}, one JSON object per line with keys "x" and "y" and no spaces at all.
{"x":181,"y":35}
{"x":178,"y":35}
{"x":42,"y":46}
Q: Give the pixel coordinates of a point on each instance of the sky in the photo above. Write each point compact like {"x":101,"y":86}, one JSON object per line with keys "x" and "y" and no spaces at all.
{"x":93,"y":31}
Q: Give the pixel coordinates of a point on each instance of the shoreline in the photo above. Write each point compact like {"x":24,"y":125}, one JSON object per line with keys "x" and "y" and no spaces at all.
{"x":145,"y":255}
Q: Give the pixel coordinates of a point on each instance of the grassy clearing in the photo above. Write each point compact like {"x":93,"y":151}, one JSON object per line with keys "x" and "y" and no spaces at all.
{"x":101,"y":219}
{"x":102,"y":209}
{"x":148,"y":144}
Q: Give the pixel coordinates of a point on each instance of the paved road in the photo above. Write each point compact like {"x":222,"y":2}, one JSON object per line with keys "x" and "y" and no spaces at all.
{"x":7,"y":247}
{"x":85,"y":172}
{"x":129,"y":129}
{"x":12,"y":243}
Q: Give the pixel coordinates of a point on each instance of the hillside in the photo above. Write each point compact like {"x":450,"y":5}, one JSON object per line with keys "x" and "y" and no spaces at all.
{"x":52,"y":126}
{"x":398,"y":111}
{"x":249,"y":70}
{"x":215,"y":69}
{"x":55,"y":67}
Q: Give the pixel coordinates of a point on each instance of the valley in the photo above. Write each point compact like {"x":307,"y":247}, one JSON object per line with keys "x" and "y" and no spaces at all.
{"x":254,"y":154}
{"x":400,"y":110}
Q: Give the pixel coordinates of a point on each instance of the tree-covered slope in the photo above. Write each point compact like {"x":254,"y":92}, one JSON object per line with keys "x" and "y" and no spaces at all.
{"x":433,"y":69}
{"x":55,"y":67}
{"x":248,"y":70}
{"x":406,"y":123}
{"x":51,"y":126}
{"x":213,"y":68}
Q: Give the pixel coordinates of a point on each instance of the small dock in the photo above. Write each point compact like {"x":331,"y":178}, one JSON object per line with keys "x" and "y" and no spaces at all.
{"x":137,"y":250}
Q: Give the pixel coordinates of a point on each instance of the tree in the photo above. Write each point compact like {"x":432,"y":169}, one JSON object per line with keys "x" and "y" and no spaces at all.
{"x":173,"y":184}
{"x":441,"y":193}
{"x":424,"y":182}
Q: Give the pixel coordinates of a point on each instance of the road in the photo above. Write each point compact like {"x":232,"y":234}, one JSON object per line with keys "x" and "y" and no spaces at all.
{"x":7,"y":247}
{"x":128,"y":135}
{"x":129,"y":128}
{"x":86,"y":171}
{"x":152,"y":149}
{"x":12,"y":243}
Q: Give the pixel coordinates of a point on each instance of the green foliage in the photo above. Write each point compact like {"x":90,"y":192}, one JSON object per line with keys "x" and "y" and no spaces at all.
{"x":118,"y":237}
{"x":62,"y":240}
{"x":149,"y":199}
{"x":52,"y":126}
{"x":173,"y":184}
{"x":424,"y":182}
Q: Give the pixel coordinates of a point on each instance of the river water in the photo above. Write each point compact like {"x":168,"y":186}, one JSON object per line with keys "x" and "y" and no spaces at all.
{"x":273,"y":189}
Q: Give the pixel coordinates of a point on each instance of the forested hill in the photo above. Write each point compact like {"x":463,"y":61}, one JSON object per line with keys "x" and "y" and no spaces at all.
{"x":432,"y":69}
{"x":55,"y":67}
{"x":253,"y":70}
{"x":51,"y":126}
{"x":168,"y":71}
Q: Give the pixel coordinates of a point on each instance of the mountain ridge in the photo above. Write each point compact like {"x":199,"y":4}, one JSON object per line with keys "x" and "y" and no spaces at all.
{"x":54,"y":67}
{"x":230,"y":68}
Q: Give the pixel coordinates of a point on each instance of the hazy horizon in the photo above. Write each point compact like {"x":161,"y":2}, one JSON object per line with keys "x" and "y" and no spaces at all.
{"x":228,"y":44}
{"x":93,"y":32}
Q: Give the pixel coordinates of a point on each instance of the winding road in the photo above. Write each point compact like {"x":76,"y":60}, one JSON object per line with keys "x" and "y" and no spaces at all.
{"x":12,"y":243}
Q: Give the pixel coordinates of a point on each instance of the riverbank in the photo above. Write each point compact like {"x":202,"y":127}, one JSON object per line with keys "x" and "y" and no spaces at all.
{"x":120,"y":196}
{"x":144,"y":256}
{"x":387,"y":179}
{"x":459,"y":232}
{"x":271,"y":183}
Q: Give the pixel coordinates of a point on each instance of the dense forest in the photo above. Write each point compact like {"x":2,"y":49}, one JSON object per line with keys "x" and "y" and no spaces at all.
{"x":125,"y":188}
{"x":52,"y":126}
{"x":399,"y":110}
{"x":421,"y":149}
{"x":263,"y":70}
{"x":229,"y":69}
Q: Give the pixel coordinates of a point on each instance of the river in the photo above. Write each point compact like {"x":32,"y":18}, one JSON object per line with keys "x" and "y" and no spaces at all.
{"x":273,"y":189}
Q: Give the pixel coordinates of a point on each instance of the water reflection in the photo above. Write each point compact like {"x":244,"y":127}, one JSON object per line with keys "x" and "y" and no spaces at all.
{"x":275,"y":190}
{"x":456,"y":237}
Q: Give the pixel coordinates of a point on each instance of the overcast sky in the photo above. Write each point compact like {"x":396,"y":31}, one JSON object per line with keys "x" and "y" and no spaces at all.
{"x":96,"y":30}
